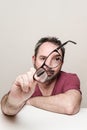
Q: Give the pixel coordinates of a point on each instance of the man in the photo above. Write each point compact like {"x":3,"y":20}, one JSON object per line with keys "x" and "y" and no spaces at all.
{"x":59,"y":93}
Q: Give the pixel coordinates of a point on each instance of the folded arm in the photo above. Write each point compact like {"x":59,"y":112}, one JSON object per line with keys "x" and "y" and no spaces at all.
{"x":66,"y":103}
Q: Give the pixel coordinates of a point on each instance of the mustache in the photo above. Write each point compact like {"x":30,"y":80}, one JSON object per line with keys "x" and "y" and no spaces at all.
{"x":50,"y":71}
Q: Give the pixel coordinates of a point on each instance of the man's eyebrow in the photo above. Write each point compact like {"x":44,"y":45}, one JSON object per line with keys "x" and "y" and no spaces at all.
{"x":43,"y":56}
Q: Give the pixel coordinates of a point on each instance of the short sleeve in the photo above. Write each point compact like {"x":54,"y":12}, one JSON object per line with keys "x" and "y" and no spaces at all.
{"x":71,"y":82}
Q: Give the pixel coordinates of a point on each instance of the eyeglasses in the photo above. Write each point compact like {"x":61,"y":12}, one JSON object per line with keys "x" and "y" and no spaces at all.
{"x":53,"y":60}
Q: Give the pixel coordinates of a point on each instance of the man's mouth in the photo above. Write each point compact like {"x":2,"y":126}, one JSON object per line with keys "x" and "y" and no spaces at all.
{"x":50,"y":72}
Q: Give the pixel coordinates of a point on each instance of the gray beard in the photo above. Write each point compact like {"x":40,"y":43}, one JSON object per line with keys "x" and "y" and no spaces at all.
{"x":52,"y":78}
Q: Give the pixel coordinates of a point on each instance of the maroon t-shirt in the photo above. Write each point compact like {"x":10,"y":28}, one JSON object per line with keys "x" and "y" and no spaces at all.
{"x":65,"y":81}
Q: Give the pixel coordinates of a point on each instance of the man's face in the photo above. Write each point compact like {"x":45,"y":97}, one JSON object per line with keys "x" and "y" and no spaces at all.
{"x":44,"y":50}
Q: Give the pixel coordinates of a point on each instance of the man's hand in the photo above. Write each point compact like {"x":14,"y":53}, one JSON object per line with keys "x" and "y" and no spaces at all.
{"x":21,"y":91}
{"x":23,"y":87}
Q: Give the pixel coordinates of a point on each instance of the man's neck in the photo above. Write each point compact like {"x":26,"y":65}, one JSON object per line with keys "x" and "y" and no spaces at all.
{"x":46,"y":89}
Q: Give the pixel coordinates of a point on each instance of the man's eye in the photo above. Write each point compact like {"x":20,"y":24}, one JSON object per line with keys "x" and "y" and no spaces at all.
{"x":42,"y":58}
{"x":57,"y":58}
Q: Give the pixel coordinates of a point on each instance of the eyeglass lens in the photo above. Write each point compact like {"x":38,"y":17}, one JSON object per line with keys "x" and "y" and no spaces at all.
{"x":40,"y":75}
{"x":53,"y":60}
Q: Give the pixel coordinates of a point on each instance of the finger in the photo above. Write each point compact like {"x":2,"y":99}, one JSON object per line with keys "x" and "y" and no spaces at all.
{"x":22,"y":82}
{"x":32,"y":69}
{"x":30,"y":74}
{"x":25,"y":85}
{"x":19,"y":81}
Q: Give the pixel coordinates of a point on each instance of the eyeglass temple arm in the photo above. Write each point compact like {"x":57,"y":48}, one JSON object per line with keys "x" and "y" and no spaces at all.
{"x":65,"y":44}
{"x":59,"y":48}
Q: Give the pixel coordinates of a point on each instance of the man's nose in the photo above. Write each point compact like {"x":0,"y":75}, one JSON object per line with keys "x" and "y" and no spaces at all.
{"x":47,"y":64}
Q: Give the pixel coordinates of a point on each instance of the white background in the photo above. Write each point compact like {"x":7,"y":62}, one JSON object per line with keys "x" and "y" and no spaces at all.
{"x":24,"y":22}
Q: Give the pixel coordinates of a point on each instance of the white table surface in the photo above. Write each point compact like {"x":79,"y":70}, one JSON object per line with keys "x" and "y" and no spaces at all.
{"x":31,"y":118}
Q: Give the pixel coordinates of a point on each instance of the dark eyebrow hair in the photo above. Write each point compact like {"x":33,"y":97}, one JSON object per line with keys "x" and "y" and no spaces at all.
{"x":43,"y":56}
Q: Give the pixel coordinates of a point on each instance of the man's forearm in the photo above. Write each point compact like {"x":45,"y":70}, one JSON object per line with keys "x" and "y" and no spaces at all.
{"x":47,"y":103}
{"x":61,"y":103}
{"x":8,"y":108}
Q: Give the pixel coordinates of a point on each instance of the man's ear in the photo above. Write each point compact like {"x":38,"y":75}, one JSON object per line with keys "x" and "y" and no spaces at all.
{"x":33,"y":60}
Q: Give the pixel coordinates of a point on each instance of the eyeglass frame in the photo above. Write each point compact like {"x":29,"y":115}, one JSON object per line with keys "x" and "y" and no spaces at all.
{"x":55,"y":50}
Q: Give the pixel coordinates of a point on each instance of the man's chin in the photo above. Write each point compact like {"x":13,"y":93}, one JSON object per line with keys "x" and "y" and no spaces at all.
{"x":50,"y":79}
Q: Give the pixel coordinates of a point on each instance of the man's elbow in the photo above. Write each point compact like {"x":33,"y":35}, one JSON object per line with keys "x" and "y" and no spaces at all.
{"x":71,"y":109}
